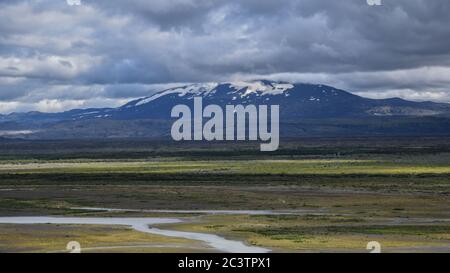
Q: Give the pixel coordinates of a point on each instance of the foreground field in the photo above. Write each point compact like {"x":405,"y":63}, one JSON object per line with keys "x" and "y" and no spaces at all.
{"x":341,"y":197}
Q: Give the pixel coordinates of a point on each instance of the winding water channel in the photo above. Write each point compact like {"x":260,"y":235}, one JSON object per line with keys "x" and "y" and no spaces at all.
{"x":143,"y":225}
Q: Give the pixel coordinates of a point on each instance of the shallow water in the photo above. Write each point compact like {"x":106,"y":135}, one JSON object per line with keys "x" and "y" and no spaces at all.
{"x":215,"y":212}
{"x":142,"y":225}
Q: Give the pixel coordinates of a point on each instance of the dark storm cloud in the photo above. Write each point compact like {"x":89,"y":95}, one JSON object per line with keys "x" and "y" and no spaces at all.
{"x":105,"y":50}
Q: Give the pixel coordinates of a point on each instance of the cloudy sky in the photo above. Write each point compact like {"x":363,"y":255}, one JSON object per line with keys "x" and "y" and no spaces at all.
{"x":54,"y":56}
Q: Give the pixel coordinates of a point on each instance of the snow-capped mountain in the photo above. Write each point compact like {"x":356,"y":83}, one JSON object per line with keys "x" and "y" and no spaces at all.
{"x":295,"y":100}
{"x":237,"y":91}
{"x":305,"y":109}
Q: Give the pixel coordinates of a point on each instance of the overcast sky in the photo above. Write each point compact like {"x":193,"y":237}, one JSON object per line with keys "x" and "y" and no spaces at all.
{"x":54,"y":56}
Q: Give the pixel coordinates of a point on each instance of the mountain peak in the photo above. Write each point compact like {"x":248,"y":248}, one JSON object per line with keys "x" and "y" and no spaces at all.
{"x":238,"y":88}
{"x":263,"y":87}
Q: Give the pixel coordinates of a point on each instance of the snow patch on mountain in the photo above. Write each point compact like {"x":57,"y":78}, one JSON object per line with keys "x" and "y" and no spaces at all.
{"x":261,"y":88}
{"x":241,"y":89}
{"x":201,"y":89}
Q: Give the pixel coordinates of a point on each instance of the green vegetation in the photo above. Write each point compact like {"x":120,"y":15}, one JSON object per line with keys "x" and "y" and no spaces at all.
{"x":54,"y":238}
{"x":395,"y":191}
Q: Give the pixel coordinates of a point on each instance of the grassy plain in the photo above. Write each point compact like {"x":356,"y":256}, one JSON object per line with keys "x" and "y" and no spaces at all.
{"x":395,"y":191}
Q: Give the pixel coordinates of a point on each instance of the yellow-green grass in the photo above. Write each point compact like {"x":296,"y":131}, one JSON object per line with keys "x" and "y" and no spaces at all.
{"x":54,"y":238}
{"x":322,"y":233}
{"x":382,"y":166}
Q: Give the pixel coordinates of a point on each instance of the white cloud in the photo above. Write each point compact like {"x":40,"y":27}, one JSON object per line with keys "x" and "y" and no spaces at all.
{"x":409,"y":94}
{"x":10,"y":106}
{"x":53,"y":67}
{"x":57,"y":105}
